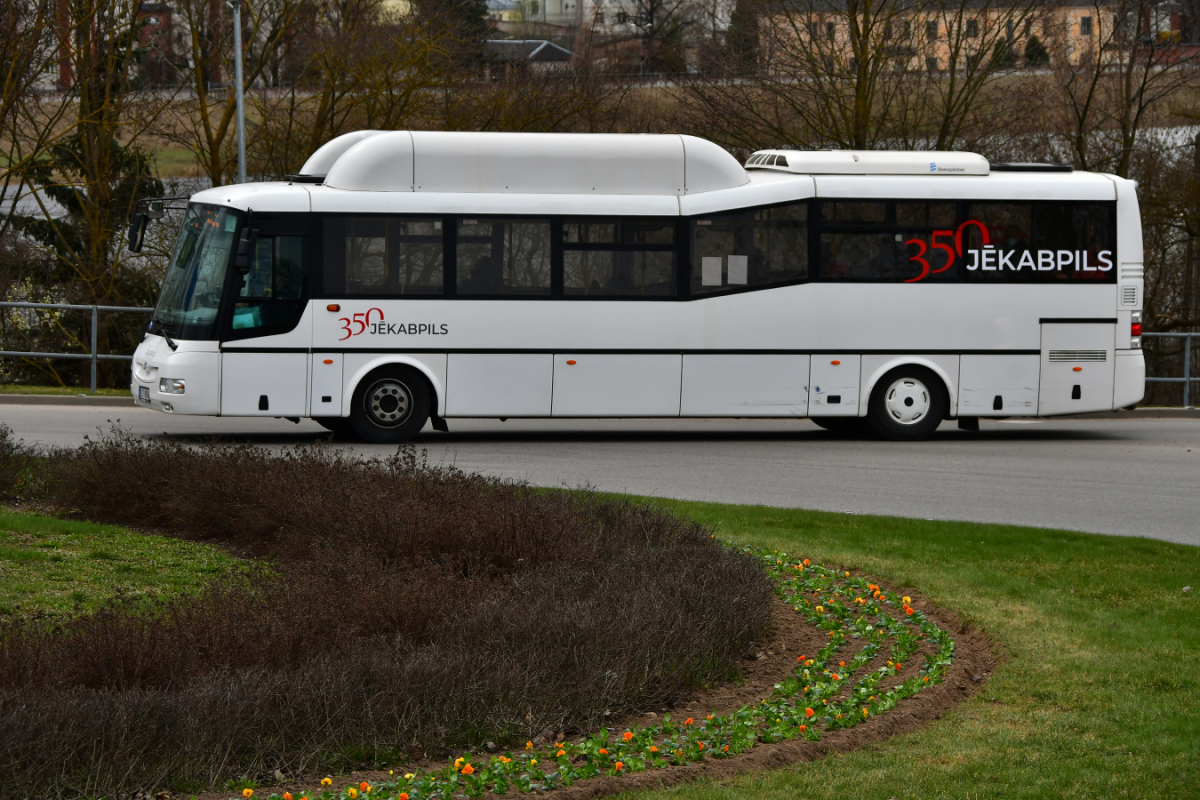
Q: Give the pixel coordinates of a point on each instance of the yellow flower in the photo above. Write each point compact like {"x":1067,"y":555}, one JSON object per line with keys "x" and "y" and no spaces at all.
{"x":326,"y":781}
{"x":247,"y":793}
{"x":458,"y":762}
{"x":391,"y":773}
{"x":352,"y":793}
{"x":529,"y":745}
{"x":533,"y":762}
{"x":907,"y":600}
{"x":409,"y":775}
{"x":819,"y":609}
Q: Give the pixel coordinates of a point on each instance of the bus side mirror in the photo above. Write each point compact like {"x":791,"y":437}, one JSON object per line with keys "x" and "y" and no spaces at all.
{"x":137,"y":232}
{"x":244,"y":259}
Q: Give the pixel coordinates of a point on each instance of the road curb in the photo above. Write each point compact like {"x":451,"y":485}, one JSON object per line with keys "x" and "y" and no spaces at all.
{"x":65,"y":400}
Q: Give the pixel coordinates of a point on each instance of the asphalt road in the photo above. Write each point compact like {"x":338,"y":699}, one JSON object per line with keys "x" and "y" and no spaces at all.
{"x":1131,"y":477}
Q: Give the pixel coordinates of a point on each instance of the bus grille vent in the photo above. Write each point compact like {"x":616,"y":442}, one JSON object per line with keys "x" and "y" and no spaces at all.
{"x":1129,"y":295}
{"x":1078,"y":355}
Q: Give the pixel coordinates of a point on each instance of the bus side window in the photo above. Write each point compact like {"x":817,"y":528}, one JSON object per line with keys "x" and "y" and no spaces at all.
{"x":1042,"y":241}
{"x":503,"y":257}
{"x":386,"y":256}
{"x":619,"y":258}
{"x":753,"y":247}
{"x":907,"y":241}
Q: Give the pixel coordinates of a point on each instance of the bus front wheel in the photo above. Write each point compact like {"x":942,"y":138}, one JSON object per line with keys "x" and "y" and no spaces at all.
{"x":907,"y":404}
{"x":390,"y":406}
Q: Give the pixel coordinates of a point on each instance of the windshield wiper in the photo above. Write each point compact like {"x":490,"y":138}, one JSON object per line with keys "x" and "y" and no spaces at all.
{"x":164,"y":332}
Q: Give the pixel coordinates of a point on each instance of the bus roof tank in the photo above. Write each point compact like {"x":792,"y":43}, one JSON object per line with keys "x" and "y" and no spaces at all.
{"x":534,"y":163}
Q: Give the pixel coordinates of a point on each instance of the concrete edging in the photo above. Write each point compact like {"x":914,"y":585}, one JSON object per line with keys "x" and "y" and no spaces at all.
{"x":65,"y":400}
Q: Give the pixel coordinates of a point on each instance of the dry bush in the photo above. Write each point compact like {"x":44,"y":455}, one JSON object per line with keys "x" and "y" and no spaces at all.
{"x":406,"y":609}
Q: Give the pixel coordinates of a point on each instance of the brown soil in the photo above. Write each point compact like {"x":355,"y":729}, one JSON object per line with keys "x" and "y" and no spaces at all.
{"x":975,"y":658}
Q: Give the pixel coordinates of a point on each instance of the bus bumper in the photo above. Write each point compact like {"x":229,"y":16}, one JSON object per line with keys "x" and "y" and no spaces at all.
{"x":1129,"y":382}
{"x":196,"y":364}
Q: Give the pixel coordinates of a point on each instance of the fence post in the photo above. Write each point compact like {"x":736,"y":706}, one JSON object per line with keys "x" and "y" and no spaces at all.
{"x":95,"y":328}
{"x":1187,"y":370}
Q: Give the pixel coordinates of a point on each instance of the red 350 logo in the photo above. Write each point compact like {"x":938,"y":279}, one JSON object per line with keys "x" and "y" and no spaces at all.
{"x":952,"y":251}
{"x":355,"y":324}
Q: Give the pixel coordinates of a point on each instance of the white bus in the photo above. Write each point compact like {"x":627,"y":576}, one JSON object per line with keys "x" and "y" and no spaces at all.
{"x":407,"y":278}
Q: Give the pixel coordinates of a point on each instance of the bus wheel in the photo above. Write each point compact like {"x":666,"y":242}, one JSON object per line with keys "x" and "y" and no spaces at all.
{"x":907,"y":404}
{"x":338,"y":426}
{"x":390,"y":405}
{"x":848,"y":426}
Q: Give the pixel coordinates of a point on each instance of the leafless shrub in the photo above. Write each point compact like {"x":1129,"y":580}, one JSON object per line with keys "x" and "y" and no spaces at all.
{"x":406,"y":609}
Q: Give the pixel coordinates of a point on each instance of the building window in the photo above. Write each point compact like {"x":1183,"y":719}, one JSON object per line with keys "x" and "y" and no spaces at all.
{"x":972,"y":28}
{"x":830,"y":31}
{"x":931,"y":64}
{"x":931,"y":31}
{"x":622,"y":18}
{"x":1085,"y":26}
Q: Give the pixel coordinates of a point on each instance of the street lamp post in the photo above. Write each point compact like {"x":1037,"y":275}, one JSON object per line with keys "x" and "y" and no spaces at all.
{"x":236,"y":5}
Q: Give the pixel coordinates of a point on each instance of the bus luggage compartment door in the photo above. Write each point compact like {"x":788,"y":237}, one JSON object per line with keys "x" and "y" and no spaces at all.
{"x":263,"y":384}
{"x":498,"y":384}
{"x":833,"y":385}
{"x":716,"y":385}
{"x":1077,"y":367}
{"x":617,"y":385}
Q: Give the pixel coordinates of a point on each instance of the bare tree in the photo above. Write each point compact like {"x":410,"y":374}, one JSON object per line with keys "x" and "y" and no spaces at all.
{"x":862,"y":74}
{"x":86,"y":182}
{"x":203,"y":120}
{"x":1110,"y":75}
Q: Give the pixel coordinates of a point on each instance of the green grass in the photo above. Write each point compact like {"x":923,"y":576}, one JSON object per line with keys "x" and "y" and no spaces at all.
{"x":59,"y":567}
{"x":10,"y":388}
{"x":1097,"y":697}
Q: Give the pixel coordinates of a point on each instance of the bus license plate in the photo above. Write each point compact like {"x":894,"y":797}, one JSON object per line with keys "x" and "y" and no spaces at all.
{"x":144,"y":394}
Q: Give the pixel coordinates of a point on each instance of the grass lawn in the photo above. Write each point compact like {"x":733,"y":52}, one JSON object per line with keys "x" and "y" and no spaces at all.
{"x":57,"y":567}
{"x":10,"y":388}
{"x":1097,"y":697}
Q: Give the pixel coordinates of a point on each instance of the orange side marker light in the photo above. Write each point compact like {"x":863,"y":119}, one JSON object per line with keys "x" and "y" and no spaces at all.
{"x":1077,"y":369}
{"x":333,"y":307}
{"x":835,"y":363}
{"x":571,"y":361}
{"x":328,"y":361}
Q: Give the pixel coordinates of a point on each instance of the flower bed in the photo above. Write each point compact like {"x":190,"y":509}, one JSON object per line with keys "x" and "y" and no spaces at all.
{"x":831,"y":689}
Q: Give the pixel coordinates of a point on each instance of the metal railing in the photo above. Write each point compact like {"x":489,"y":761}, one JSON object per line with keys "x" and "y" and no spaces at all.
{"x":1187,"y":378}
{"x":92,"y":356}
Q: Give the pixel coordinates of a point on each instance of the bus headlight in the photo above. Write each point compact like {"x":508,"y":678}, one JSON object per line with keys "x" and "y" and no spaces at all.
{"x":170,"y":386}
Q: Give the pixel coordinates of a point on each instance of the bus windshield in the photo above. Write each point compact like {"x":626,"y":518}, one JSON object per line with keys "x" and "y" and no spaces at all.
{"x":191,"y":294}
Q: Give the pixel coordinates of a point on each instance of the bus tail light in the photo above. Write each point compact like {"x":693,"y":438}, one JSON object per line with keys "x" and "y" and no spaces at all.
{"x":1135,"y":330}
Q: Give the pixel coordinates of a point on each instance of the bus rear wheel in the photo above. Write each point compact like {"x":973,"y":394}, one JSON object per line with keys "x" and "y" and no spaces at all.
{"x":390,"y":406}
{"x":907,"y":404}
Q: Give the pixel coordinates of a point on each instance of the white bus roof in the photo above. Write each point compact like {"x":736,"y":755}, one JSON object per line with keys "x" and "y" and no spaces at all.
{"x":417,"y":172}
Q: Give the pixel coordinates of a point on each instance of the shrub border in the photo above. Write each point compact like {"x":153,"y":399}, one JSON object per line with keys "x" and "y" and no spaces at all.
{"x":824,"y":693}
